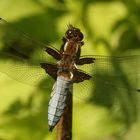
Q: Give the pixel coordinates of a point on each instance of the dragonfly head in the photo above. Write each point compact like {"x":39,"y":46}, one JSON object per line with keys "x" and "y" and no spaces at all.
{"x":74,"y":34}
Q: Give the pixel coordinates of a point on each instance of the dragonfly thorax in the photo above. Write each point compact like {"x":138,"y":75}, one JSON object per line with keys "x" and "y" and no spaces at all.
{"x":71,"y":48}
{"x":66,"y":66}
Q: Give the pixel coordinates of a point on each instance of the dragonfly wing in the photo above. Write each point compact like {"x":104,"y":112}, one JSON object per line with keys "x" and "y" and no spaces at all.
{"x":113,"y":79}
{"x":24,"y":71}
{"x":53,"y":52}
{"x":20,"y":44}
{"x":20,"y":56}
{"x":114,"y":67}
{"x":80,"y":76}
{"x":51,"y":69}
{"x":121,"y":71}
{"x":86,"y":60}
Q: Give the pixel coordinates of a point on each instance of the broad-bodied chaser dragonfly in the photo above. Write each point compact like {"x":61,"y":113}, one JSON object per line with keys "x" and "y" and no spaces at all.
{"x":18,"y":59}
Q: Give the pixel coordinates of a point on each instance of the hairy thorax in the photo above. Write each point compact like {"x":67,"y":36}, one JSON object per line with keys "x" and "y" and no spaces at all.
{"x":67,"y":64}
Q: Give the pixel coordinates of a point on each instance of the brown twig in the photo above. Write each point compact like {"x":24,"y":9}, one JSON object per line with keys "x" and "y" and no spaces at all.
{"x":64,"y":126}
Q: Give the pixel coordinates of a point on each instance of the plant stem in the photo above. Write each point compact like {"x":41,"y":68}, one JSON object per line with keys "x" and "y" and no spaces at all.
{"x":64,"y":126}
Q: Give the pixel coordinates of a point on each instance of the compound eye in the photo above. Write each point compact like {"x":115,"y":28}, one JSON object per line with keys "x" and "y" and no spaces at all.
{"x":79,"y":35}
{"x":69,"y":34}
{"x":75,"y":34}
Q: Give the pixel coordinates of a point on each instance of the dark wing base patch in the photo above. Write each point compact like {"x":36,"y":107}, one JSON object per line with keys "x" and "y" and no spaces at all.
{"x":83,"y":61}
{"x":50,"y":69}
{"x":53,"y":52}
{"x":80,"y":76}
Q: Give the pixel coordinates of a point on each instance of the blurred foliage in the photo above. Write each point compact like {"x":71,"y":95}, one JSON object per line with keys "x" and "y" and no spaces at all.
{"x":111,"y":27}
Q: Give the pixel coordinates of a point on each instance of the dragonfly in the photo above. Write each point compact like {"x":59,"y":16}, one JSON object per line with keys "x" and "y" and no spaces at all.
{"x":25,"y":60}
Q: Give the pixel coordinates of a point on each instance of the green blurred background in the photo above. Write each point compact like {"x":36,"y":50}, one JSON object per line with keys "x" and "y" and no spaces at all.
{"x":111,"y":27}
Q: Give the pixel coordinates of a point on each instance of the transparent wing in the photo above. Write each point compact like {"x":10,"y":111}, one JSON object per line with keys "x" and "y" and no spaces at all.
{"x":114,"y":80}
{"x":18,"y":43}
{"x":24,"y":71}
{"x":20,"y":56}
